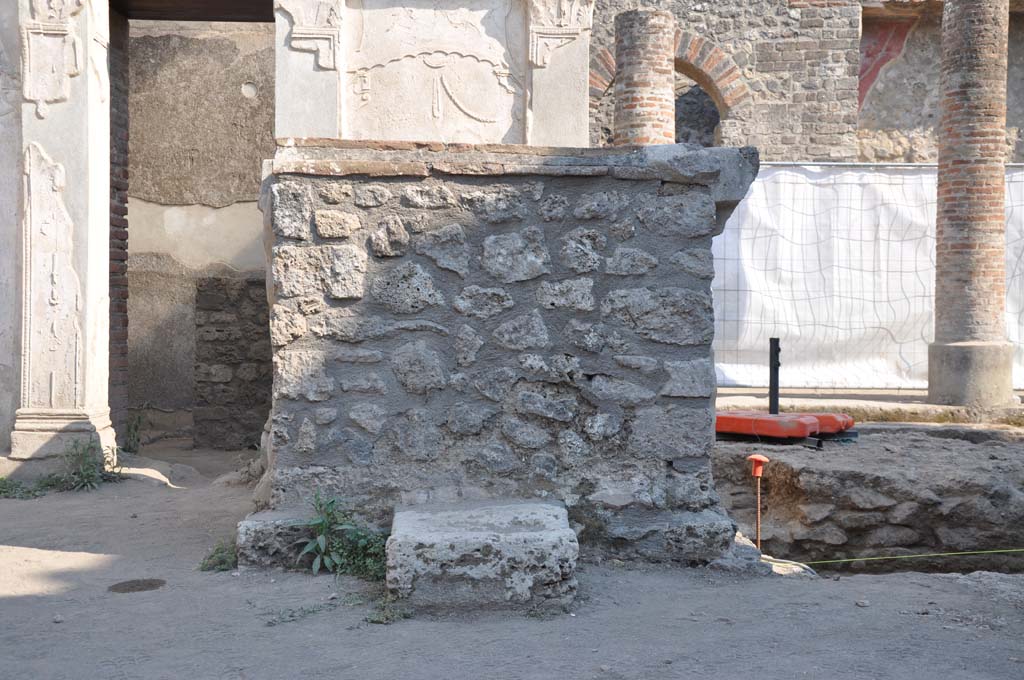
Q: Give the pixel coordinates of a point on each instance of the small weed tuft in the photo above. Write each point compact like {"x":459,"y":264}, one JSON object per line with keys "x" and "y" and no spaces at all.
{"x":387,"y":612}
{"x":224,"y":557}
{"x":12,"y":489}
{"x":133,"y":434}
{"x":341,"y":546}
{"x":85,"y":467}
{"x":298,"y":613}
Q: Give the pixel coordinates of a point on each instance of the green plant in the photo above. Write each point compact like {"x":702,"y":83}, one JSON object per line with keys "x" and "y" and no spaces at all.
{"x":12,"y":489}
{"x":85,"y":468}
{"x":133,"y":434}
{"x":223,"y":557}
{"x":387,"y":612}
{"x":341,"y":546}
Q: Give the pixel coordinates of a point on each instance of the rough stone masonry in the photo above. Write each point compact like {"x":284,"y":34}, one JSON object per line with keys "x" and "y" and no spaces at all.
{"x":470,"y":323}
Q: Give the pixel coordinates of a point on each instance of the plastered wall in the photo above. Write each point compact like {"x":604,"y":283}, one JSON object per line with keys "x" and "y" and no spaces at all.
{"x":201,"y":108}
{"x":901,"y":104}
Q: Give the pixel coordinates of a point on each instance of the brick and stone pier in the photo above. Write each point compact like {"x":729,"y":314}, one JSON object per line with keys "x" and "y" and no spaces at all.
{"x":645,"y":103}
{"x":971,"y":361}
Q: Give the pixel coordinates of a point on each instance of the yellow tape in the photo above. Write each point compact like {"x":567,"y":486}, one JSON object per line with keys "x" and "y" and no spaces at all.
{"x":912,"y":557}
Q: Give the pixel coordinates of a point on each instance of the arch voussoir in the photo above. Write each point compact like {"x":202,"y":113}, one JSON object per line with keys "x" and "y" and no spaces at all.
{"x":712,"y":68}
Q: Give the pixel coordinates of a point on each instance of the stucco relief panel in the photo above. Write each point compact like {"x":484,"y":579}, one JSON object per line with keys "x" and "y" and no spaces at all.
{"x":436,"y":69}
{"x":316,"y":28}
{"x":554,"y":24}
{"x":52,"y":53}
{"x":52,"y":351}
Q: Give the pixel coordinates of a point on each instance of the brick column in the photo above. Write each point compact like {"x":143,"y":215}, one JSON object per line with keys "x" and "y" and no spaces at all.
{"x":117,"y":57}
{"x":645,"y":102}
{"x":971,"y":361}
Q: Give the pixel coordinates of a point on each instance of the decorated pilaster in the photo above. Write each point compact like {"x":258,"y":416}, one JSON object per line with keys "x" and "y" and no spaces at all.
{"x":559,"y":56}
{"x":310,"y":72}
{"x":62,"y":222}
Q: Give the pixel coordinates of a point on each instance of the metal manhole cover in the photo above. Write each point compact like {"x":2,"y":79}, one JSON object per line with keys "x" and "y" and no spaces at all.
{"x":138,"y":585}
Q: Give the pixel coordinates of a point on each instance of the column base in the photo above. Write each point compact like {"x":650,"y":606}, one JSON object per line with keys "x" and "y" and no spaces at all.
{"x":46,"y":433}
{"x":978,"y":374}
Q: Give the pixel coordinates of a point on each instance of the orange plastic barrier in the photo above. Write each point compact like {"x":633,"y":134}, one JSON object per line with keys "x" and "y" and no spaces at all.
{"x":782,"y":426}
{"x":756,"y":424}
{"x":832,"y":423}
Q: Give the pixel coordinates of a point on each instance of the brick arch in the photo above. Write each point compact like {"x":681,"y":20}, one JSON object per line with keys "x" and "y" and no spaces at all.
{"x":713,"y":69}
{"x":698,"y":59}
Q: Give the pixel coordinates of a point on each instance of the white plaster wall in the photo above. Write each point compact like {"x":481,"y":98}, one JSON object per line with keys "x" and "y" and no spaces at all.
{"x":198,"y":236}
{"x":10,"y":191}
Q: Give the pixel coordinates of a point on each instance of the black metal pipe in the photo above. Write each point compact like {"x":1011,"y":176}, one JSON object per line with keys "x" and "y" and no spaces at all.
{"x":774,"y":351}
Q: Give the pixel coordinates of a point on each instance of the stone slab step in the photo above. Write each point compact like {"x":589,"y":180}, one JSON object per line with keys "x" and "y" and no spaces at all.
{"x":483,"y":554}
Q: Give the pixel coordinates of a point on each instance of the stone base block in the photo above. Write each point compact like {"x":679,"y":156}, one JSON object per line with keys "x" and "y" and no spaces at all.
{"x":692,"y":538}
{"x":483,"y":555}
{"x":271,"y":538}
{"x":28,"y":471}
{"x":978,"y":374}
{"x":46,"y":433}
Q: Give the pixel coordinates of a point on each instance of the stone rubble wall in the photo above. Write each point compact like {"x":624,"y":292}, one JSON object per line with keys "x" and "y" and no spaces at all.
{"x":233,"y":363}
{"x":899,"y":491}
{"x":502,"y":325}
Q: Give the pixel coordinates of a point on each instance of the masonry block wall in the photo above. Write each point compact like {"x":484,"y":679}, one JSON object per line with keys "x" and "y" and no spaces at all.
{"x":233,"y":362}
{"x":783,"y":73}
{"x":478,"y":325}
{"x":119,"y":85}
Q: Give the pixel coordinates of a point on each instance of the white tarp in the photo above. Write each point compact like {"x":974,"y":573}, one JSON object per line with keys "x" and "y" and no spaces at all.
{"x":839,"y":262}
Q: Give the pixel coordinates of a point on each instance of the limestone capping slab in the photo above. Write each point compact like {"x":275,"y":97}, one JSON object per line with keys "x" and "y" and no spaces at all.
{"x":727,"y":171}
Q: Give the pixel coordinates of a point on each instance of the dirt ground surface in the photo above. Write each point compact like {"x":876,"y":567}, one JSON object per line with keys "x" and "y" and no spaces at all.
{"x":60,"y":554}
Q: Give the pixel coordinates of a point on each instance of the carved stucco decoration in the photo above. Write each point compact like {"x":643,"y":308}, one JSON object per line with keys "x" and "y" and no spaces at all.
{"x":556,"y":23}
{"x":52,"y":334}
{"x":316,"y":28}
{"x":436,"y":69}
{"x":51,"y":52}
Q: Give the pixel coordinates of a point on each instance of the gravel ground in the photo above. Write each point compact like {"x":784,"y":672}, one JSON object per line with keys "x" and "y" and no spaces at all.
{"x":60,"y":554}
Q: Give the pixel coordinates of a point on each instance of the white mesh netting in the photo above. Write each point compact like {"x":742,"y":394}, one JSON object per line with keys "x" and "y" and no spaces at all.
{"x":839,"y":262}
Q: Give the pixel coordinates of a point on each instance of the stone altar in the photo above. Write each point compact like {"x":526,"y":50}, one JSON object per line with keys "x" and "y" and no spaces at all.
{"x":470,"y":323}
